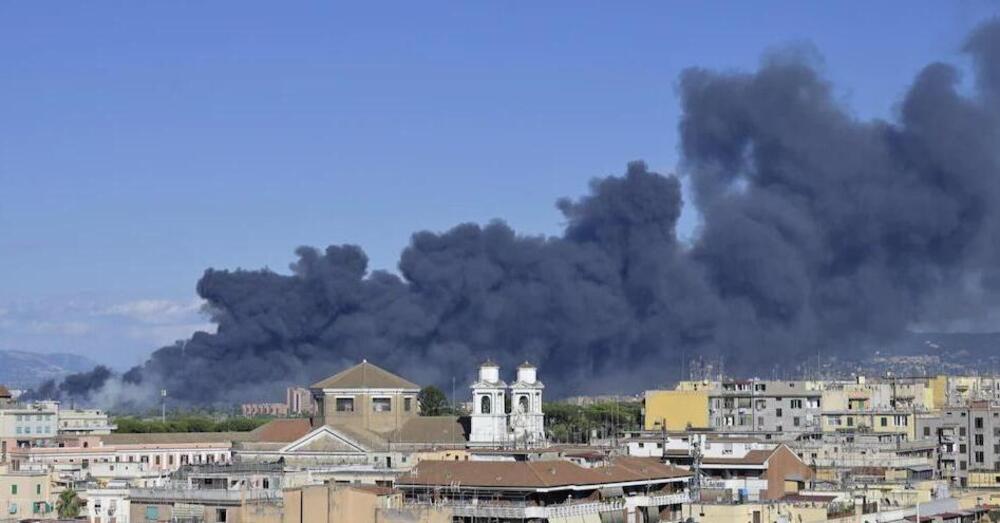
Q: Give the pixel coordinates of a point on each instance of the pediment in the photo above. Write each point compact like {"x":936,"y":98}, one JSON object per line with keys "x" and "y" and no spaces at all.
{"x":325,"y":439}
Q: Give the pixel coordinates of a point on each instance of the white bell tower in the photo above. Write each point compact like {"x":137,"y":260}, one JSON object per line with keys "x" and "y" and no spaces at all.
{"x":489,"y":416}
{"x":527,"y":420}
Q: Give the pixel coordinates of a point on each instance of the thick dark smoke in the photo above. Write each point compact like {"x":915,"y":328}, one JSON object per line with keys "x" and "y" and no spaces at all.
{"x":76,"y":385}
{"x":820,"y":233}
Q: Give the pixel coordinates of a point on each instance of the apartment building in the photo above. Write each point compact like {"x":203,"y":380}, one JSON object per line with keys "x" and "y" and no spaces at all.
{"x":746,"y":406}
{"x":165,"y":452}
{"x":761,"y":405}
{"x":84,"y":422}
{"x":969,"y":439}
{"x":251,"y":410}
{"x":21,"y":426}
{"x":26,"y":494}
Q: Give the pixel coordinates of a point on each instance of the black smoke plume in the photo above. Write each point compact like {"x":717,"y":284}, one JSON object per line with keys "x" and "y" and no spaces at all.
{"x":821,"y":232}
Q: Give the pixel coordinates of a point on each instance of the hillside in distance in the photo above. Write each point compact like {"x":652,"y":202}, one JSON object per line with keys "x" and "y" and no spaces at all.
{"x":22,"y":369}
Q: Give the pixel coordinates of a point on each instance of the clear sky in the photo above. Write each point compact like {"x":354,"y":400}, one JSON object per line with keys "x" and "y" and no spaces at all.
{"x":143,"y":142}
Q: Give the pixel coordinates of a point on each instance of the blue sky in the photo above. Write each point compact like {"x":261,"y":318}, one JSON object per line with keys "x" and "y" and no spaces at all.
{"x":141,"y":142}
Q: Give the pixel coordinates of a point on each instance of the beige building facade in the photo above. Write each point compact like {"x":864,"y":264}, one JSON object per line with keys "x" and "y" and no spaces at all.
{"x":365,"y":397}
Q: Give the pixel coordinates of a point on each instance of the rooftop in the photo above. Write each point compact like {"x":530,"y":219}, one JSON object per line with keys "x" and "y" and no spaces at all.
{"x":533,"y":475}
{"x":365,"y":376}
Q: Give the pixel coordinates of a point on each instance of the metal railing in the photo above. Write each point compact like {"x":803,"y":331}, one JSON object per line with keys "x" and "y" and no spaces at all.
{"x":521,"y":510}
{"x":193,"y":495}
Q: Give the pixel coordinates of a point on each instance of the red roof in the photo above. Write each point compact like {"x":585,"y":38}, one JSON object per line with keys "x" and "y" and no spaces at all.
{"x":282,"y":430}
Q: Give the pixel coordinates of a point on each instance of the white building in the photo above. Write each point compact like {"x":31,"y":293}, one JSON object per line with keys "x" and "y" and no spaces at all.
{"x":492,"y":423}
{"x":84,"y":422}
{"x":526,"y":419}
{"x":107,"y":505}
{"x":489,"y":416}
{"x":22,"y":425}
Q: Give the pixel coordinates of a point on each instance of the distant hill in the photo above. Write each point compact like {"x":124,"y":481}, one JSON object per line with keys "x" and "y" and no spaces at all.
{"x":20,"y":369}
{"x":948,"y":344}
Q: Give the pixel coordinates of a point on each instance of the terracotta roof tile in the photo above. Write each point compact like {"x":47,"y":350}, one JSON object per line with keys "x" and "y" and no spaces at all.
{"x":537,"y":474}
{"x":282,"y":430}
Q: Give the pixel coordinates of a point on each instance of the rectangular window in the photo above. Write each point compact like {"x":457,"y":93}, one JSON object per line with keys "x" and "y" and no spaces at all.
{"x":979,"y":423}
{"x":979,"y":440}
{"x":796,"y":404}
{"x":883,"y":421}
{"x":13,"y":490}
{"x":381,"y":404}
{"x":220,"y":515}
{"x":38,"y":489}
{"x":961,"y":431}
{"x":795,"y":421}
{"x":927,"y":431}
{"x":979,"y":457}
{"x":777,"y":413}
{"x":345,"y":404}
{"x":962,"y":448}
{"x":407,"y":404}
{"x":152,"y":513}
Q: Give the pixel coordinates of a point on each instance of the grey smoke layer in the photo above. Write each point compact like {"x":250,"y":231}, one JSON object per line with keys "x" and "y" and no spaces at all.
{"x":821,"y":233}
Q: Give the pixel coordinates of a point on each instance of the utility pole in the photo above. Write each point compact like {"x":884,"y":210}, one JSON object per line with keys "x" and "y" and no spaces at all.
{"x":163,"y":405}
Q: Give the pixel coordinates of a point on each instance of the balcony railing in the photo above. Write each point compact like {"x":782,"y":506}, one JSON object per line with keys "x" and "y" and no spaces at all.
{"x":194,"y":496}
{"x":523,"y":510}
{"x":520,"y":510}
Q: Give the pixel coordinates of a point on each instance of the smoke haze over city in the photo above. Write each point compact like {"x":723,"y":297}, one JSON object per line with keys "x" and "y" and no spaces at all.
{"x":820,"y":232}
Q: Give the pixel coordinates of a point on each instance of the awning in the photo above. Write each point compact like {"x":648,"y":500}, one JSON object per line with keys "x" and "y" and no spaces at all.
{"x":920,"y":468}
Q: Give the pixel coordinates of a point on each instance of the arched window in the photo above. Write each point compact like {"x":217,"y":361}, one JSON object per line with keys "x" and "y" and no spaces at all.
{"x":523,"y":404}
{"x":485,"y":405}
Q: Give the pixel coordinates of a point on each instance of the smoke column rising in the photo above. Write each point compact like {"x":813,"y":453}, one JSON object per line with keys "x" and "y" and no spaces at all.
{"x":820,"y":232}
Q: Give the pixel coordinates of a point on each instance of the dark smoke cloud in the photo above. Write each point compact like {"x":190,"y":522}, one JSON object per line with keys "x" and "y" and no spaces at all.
{"x":820,"y":233}
{"x":73,"y":386}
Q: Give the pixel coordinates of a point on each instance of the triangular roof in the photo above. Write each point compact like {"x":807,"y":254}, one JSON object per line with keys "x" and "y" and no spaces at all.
{"x":329,"y":439}
{"x":365,"y":376}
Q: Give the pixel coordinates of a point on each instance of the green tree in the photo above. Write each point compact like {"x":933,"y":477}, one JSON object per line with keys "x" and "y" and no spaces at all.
{"x":68,"y":505}
{"x":433,"y":402}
